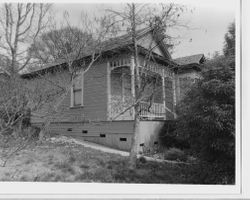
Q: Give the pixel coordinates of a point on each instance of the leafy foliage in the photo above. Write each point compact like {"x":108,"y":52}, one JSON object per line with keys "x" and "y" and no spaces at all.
{"x":168,"y":137}
{"x":229,"y":47}
{"x":207,"y":116}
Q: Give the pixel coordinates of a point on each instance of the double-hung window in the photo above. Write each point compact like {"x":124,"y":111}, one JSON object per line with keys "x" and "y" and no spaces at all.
{"x":77,"y":92}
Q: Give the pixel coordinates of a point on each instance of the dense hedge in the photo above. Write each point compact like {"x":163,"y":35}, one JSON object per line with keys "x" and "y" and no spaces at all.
{"x":168,"y":136}
{"x":207,"y":120}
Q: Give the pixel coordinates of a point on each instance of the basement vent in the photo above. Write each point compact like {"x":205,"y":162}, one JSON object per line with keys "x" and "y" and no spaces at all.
{"x":69,"y":129}
{"x":123,"y":139}
{"x":102,"y":135}
{"x":142,"y":145}
{"x":156,"y":142}
{"x":85,"y":131}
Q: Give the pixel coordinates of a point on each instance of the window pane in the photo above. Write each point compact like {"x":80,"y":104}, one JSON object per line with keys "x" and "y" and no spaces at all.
{"x":78,"y":83}
{"x":77,"y":97}
{"x":127,"y":84}
{"x":116,"y":82}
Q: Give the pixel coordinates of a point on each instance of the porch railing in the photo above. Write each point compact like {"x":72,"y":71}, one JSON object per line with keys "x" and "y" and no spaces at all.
{"x":155,"y":110}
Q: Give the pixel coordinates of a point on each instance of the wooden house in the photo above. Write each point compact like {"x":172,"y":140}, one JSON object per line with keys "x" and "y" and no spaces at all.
{"x":186,"y":73}
{"x":89,"y":109}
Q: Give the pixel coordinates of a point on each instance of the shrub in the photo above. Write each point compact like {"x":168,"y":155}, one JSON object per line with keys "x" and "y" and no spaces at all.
{"x":169,"y":138}
{"x":207,"y":119}
{"x":175,"y":154}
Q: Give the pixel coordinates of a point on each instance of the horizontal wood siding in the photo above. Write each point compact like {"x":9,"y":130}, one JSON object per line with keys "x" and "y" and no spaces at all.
{"x":51,"y":82}
{"x":95,"y":92}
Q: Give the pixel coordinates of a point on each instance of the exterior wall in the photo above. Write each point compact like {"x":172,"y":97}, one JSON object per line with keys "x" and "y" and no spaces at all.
{"x":47,"y":85}
{"x":149,"y":133}
{"x":114,"y":132}
{"x":95,"y":92}
{"x":94,"y":95}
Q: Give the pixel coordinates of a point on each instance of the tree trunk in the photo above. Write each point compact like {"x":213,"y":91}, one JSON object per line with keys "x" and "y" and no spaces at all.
{"x":135,"y":138}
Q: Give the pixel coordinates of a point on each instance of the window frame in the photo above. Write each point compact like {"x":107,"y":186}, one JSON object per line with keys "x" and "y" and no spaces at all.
{"x":73,"y":90}
{"x":123,"y":89}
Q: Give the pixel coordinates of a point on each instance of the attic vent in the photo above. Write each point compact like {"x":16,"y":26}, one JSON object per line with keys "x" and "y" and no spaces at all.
{"x":85,"y":131}
{"x":123,"y":139}
{"x":69,"y":129}
{"x":102,"y":135}
{"x":142,"y":145}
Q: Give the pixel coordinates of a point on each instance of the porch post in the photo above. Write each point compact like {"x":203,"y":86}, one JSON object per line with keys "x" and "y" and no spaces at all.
{"x":163,"y":92}
{"x":108,"y":91}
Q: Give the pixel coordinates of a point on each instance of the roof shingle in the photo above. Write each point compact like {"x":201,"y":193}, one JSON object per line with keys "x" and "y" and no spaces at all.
{"x":193,"y":59}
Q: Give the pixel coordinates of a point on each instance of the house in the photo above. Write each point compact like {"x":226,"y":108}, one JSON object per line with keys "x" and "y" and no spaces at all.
{"x":91,"y":110}
{"x":187,"y":72}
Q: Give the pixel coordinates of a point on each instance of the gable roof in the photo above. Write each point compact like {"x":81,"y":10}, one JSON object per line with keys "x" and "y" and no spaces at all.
{"x":193,"y":59}
{"x":116,"y":43}
{"x":126,"y":39}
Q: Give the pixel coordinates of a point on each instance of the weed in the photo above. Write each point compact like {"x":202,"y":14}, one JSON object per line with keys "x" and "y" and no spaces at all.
{"x":65,"y":167}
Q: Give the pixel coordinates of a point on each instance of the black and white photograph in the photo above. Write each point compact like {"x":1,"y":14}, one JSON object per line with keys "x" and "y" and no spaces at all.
{"x":115,"y":93}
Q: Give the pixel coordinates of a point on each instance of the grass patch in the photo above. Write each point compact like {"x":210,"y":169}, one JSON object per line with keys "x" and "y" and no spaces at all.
{"x":65,"y":167}
{"x":62,"y":162}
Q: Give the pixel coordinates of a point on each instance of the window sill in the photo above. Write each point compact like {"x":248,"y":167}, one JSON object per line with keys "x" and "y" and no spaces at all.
{"x":75,"y":107}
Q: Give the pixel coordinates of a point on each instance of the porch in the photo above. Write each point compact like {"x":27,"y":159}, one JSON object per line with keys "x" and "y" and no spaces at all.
{"x":155,"y":95}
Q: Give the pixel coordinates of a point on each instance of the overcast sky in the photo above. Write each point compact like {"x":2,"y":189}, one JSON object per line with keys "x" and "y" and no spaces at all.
{"x":208,"y":22}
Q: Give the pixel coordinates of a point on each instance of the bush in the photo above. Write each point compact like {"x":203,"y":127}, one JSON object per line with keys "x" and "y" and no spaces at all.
{"x":169,"y":137}
{"x":213,"y":173}
{"x":207,"y":119}
{"x":175,"y":154}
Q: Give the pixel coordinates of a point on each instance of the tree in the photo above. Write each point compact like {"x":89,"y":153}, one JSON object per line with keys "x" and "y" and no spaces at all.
{"x":53,"y":45}
{"x":20,"y":24}
{"x":207,"y":117}
{"x":17,"y":101}
{"x":133,"y":17}
{"x":229,"y":46}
